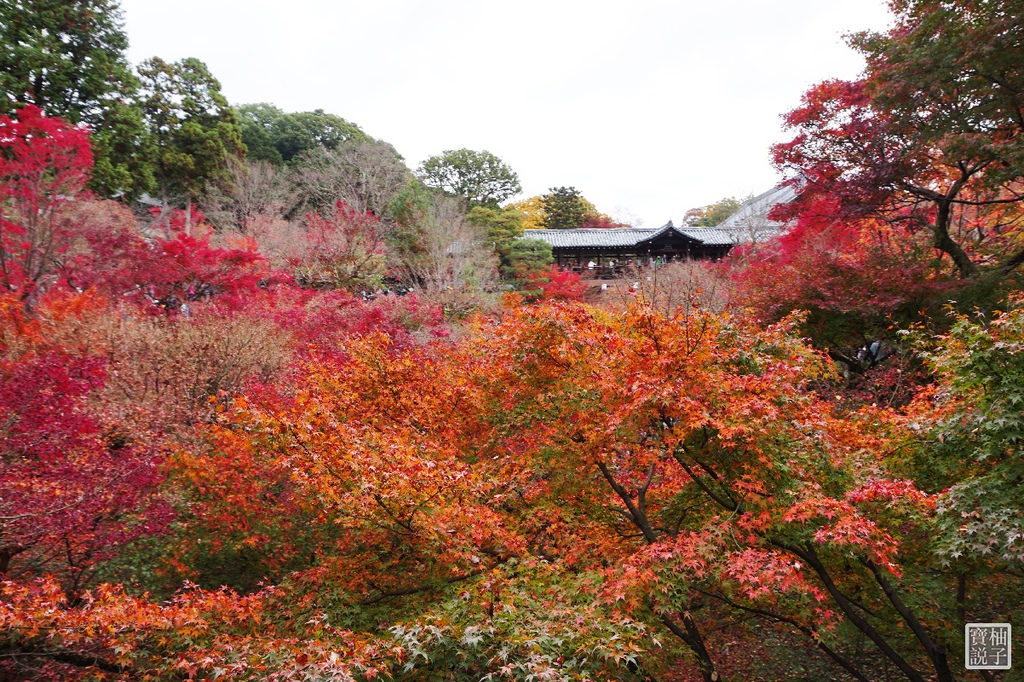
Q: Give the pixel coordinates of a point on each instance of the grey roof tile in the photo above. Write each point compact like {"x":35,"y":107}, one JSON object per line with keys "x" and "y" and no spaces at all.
{"x":583,"y":237}
{"x":750,"y":222}
{"x":625,"y":237}
{"x":712,"y":236}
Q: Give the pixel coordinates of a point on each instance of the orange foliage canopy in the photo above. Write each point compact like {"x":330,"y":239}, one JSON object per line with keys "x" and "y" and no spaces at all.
{"x":675,"y":455}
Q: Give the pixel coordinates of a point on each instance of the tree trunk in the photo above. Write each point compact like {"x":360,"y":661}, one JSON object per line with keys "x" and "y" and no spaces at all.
{"x":188,"y":214}
{"x":936,"y":652}
{"x":691,"y":635}
{"x":810,"y":556}
{"x":707,"y":667}
{"x":165,"y":215}
{"x":945,"y":243}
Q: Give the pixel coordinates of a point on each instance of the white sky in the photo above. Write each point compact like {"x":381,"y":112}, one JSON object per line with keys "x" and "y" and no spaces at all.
{"x":648,"y":107}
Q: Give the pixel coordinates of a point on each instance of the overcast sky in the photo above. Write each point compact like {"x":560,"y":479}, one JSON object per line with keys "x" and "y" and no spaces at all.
{"x":649,"y":107}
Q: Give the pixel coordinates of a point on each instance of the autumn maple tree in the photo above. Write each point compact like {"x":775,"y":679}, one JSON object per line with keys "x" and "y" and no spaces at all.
{"x":343,"y":250}
{"x":73,"y":488}
{"x":856,"y":278}
{"x":44,"y":165}
{"x":930,"y":137}
{"x":975,"y":456}
{"x":675,"y":467}
{"x":165,"y":273}
{"x":555,"y":283}
{"x":680,"y":457}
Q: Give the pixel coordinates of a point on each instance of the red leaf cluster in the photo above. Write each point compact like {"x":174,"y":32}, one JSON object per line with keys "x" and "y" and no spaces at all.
{"x":44,"y":164}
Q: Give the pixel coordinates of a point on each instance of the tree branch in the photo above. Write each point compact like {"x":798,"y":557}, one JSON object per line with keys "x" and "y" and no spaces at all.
{"x":829,"y":651}
{"x":638,"y":517}
{"x":936,"y":653}
{"x":810,"y":556}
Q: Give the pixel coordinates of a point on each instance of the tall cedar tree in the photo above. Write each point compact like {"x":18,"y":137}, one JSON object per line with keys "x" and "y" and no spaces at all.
{"x":564,"y":208}
{"x":195,"y":131}
{"x":68,"y":59}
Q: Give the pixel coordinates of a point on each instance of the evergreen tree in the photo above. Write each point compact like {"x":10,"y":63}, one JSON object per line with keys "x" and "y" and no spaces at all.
{"x":564,"y":208}
{"x":256,"y":122}
{"x":503,"y":229}
{"x":194,"y":130}
{"x":67,"y":57}
{"x":272,"y":135}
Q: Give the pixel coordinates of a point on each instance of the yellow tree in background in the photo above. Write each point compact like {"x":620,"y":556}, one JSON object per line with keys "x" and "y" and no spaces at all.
{"x":533,"y":211}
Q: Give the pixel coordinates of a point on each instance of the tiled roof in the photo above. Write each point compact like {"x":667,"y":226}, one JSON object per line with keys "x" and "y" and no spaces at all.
{"x":625,"y":237}
{"x":711,"y":236}
{"x":750,"y":222}
{"x":583,"y":237}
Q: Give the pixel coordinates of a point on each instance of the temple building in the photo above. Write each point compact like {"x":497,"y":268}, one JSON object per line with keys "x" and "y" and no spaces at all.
{"x":605,"y":252}
{"x":634,"y":245}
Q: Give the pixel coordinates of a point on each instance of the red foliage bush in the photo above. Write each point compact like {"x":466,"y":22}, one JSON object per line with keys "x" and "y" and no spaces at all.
{"x":323,"y":320}
{"x":44,"y":165}
{"x":69,"y":492}
{"x":556,"y":284}
{"x":862,"y":271}
{"x":165,"y":274}
{"x":344,"y":250}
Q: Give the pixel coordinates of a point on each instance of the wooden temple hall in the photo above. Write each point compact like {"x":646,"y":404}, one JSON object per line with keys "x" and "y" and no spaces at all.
{"x":606,"y":251}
